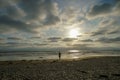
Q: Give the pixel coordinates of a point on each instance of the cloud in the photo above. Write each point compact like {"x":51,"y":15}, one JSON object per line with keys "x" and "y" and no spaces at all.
{"x":104,"y":9}
{"x":16,"y":43}
{"x":7,"y":23}
{"x":42,"y":10}
{"x":6,"y":3}
{"x":87,"y":40}
{"x":36,"y":20}
{"x":27,"y":15}
{"x":117,"y":5}
{"x":11,"y":9}
{"x":54,"y":39}
{"x":2,"y":40}
{"x":116,"y":31}
{"x":71,"y":15}
{"x":14,"y":38}
{"x":69,"y":39}
{"x":99,"y":32}
{"x":108,"y":40}
{"x":36,"y":37}
{"x":100,"y":9}
{"x":105,"y":22}
{"x":107,"y":27}
{"x":11,"y":44}
{"x":104,"y":31}
{"x":15,"y":12}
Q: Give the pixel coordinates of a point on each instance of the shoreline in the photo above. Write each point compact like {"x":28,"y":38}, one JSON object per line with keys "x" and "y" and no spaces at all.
{"x":92,"y":68}
{"x":74,"y":59}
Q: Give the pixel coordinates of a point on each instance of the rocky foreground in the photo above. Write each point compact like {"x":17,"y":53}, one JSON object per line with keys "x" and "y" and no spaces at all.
{"x":97,"y":68}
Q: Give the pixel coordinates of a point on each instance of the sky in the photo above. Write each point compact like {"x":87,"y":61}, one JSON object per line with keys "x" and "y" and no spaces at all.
{"x":31,"y":25}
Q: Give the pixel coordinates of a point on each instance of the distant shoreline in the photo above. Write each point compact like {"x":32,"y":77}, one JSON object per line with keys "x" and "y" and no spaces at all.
{"x":77,"y":59}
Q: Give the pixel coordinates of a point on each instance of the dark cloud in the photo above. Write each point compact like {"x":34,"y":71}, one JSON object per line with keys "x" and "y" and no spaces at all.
{"x":14,"y":38}
{"x":69,"y":39}
{"x":54,"y":39}
{"x":7,"y":23}
{"x":118,"y":1}
{"x":117,"y":31}
{"x":16,"y":43}
{"x":15,"y":12}
{"x":105,"y":22}
{"x":105,"y":31}
{"x":11,"y":9}
{"x":51,"y":19}
{"x":104,"y":8}
{"x":2,"y":40}
{"x":108,"y":40}
{"x":36,"y":9}
{"x":5,"y":3}
{"x":100,"y":9}
{"x":87,"y":40}
{"x":99,"y":32}
{"x":108,"y":27}
{"x":20,"y":44}
{"x":13,"y":45}
{"x":27,"y":15}
{"x":37,"y":37}
{"x":118,"y":5}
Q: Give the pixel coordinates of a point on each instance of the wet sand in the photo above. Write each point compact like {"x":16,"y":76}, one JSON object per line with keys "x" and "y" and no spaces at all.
{"x":96,"y":68}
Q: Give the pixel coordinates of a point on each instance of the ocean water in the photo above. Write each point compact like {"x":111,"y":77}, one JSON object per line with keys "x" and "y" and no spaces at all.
{"x":43,"y":55}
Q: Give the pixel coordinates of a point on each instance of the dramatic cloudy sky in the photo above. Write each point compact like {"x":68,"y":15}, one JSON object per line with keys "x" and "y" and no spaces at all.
{"x":56,"y":24}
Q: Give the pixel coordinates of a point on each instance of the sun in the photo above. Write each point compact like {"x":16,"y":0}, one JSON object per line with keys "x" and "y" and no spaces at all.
{"x":73,"y":33}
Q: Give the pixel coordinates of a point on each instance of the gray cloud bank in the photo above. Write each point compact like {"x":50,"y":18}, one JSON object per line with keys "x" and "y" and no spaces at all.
{"x":27,"y":15}
{"x":104,"y":9}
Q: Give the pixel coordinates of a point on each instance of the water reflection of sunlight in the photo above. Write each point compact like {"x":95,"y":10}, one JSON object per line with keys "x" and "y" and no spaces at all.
{"x":75,"y":57}
{"x":73,"y":51}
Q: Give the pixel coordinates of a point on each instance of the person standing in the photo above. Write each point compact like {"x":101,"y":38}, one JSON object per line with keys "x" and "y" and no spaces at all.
{"x":59,"y":55}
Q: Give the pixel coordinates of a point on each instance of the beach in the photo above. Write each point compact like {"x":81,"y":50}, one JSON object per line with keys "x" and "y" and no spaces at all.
{"x":93,"y":68}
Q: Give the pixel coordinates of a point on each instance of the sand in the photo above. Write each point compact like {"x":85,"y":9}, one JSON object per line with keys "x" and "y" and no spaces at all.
{"x":96,"y":68}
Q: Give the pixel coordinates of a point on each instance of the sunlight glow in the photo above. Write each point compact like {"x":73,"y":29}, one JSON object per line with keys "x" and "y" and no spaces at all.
{"x":73,"y":33}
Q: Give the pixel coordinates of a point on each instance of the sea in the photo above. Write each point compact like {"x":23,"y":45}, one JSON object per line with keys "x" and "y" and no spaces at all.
{"x":46,"y":55}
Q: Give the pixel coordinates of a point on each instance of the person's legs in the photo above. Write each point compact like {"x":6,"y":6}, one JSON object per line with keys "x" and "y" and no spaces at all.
{"x":59,"y":57}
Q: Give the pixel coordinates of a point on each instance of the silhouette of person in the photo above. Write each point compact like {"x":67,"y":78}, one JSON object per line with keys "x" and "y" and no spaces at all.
{"x":59,"y":55}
